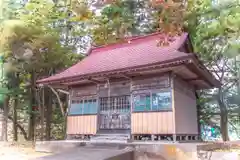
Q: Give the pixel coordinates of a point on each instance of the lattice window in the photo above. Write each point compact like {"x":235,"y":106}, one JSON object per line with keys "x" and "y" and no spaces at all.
{"x":115,"y":112}
{"x":117,"y":104}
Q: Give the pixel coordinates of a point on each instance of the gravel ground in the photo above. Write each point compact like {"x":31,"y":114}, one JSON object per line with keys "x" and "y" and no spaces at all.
{"x":18,"y":152}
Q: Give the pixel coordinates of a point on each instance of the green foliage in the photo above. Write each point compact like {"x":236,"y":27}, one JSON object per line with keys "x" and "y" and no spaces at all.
{"x":214,"y":27}
{"x":31,"y":43}
{"x":113,"y":24}
{"x":42,"y":36}
{"x":33,"y":30}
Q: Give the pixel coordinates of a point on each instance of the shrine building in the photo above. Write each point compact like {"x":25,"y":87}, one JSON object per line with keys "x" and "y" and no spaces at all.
{"x":135,"y":89}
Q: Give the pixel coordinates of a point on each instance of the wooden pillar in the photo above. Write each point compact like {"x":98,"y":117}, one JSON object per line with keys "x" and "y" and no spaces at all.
{"x":172,"y":78}
{"x":42,"y":107}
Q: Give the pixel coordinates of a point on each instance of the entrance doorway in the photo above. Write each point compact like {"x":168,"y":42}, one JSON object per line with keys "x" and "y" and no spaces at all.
{"x":115,"y":114}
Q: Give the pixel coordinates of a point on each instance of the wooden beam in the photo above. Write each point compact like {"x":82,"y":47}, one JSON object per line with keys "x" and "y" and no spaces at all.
{"x":201,"y":76}
{"x":94,"y":81}
{"x":127,"y":77}
{"x":192,"y":79}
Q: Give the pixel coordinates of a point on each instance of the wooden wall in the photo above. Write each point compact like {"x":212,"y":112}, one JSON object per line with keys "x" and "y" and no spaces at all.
{"x":185,"y":108}
{"x":152,"y":123}
{"x":147,"y":82}
{"x":116,"y":89}
{"x":141,"y":123}
{"x":85,"y":124}
{"x":82,"y":91}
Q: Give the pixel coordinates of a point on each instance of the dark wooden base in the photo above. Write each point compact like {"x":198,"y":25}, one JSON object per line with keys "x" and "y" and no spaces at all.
{"x":166,"y":137}
{"x":78,"y":137}
{"x":113,"y":131}
{"x":147,"y":137}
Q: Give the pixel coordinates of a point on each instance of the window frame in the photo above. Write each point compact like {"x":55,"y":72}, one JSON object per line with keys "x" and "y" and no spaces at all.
{"x":154,"y":91}
{"x":118,"y":105}
{"x":146,"y":93}
{"x":83,"y":100}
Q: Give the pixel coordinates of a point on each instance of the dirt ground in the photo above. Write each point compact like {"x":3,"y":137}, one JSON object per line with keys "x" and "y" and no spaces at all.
{"x":13,"y":151}
{"x":229,"y":150}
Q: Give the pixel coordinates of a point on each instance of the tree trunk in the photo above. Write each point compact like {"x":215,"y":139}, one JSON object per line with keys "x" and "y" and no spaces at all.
{"x":59,"y":100}
{"x":224,"y":116}
{"x":224,"y":126}
{"x":15,"y":131}
{"x":65,"y":117}
{"x":31,"y":124}
{"x":20,"y":128}
{"x":5,"y":118}
{"x":32,"y":116}
{"x":15,"y":105}
{"x":48,"y":114}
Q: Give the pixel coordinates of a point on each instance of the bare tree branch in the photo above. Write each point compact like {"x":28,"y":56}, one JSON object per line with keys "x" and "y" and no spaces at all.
{"x":20,"y":127}
{"x":58,"y":98}
{"x":235,"y":128}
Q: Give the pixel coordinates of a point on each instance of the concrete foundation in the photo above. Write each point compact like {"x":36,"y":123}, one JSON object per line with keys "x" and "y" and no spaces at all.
{"x":91,"y":154}
{"x":136,"y":151}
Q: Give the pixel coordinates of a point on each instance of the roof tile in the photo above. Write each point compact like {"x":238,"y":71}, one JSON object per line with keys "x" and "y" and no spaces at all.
{"x":138,"y":52}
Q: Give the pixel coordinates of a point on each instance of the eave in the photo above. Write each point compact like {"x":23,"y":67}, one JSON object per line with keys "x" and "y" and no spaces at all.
{"x":161,"y":65}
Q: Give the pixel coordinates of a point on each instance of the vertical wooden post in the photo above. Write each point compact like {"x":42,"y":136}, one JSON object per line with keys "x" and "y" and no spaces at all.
{"x":98,"y":107}
{"x":109,"y":94}
{"x":172,"y":79}
{"x":32,"y":114}
{"x":48,"y":114}
{"x":42,"y":105}
{"x":131,"y":108}
{"x":15,"y":131}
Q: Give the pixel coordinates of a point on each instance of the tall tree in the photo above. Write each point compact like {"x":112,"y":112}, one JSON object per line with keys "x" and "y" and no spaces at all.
{"x":214,"y":30}
{"x":31,"y":45}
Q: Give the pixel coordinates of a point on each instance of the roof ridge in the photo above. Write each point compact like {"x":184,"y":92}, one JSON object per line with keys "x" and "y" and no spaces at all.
{"x":127,"y":41}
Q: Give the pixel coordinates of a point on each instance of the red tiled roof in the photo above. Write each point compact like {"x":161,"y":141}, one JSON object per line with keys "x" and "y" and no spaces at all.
{"x":138,"y":51}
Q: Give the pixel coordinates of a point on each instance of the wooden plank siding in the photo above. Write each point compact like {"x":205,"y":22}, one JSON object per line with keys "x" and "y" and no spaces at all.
{"x":85,"y":124}
{"x":185,"y":107}
{"x":162,"y":122}
{"x":152,"y":123}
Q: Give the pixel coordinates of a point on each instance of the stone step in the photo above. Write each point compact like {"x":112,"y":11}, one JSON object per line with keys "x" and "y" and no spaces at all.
{"x":106,"y":146}
{"x":110,"y":138}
